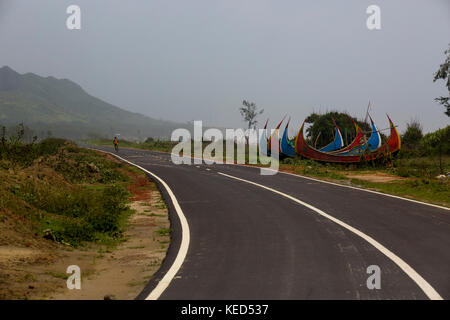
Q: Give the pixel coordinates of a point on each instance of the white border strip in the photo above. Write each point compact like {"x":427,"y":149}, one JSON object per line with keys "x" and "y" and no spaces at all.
{"x":185,"y":238}
{"x":429,"y":291}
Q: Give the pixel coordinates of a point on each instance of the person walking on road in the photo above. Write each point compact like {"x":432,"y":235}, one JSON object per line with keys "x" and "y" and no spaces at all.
{"x":116,"y":144}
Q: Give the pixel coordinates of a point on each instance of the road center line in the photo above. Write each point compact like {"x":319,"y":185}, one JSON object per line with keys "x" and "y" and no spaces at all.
{"x":429,"y":291}
{"x":185,"y":238}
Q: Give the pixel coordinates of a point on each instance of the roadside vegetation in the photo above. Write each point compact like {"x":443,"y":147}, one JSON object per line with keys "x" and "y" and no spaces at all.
{"x":414,"y":178}
{"x":148,"y":144}
{"x":420,"y":170}
{"x":62,"y":205}
{"x":66,"y":194}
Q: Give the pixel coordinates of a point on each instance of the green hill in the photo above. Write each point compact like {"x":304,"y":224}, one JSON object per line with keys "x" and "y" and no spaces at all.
{"x":64,"y":108}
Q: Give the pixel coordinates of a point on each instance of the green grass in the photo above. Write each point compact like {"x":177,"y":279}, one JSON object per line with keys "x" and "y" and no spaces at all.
{"x":433,"y":191}
{"x":421,"y":183}
{"x":135,"y":170}
{"x":58,"y":275}
{"x":76,"y":195}
{"x":157,"y":145}
{"x":156,"y":215}
{"x":79,"y":214}
{"x":421,"y":169}
{"x":160,"y":205}
{"x":163,"y":232}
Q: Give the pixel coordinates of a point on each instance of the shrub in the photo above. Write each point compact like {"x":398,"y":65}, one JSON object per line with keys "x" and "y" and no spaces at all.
{"x":437,"y":142}
{"x":75,"y":215}
{"x":413,"y":135}
{"x":23,"y":154}
{"x":112,"y":207}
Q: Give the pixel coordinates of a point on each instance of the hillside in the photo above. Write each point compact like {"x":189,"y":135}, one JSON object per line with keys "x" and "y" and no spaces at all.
{"x":66,"y":110}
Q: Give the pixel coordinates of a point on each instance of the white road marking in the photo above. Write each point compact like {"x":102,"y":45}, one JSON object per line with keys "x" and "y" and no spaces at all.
{"x":361,"y":189}
{"x":318,"y":180}
{"x":324,"y":181}
{"x":185,"y":238}
{"x":429,"y":291}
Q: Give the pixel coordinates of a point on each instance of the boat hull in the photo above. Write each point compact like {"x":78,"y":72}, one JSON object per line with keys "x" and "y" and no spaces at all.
{"x":392,"y":145}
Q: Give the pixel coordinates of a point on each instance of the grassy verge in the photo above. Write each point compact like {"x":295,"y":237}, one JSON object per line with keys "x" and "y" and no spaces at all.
{"x":62,"y":205}
{"x":417,"y":175}
{"x":64,"y":193}
{"x":431,"y":191}
{"x":414,"y":178}
{"x":149,"y":144}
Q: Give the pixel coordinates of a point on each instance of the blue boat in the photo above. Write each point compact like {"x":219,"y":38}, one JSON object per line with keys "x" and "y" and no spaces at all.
{"x":373,"y":143}
{"x":336,"y":144}
{"x":287,"y":146}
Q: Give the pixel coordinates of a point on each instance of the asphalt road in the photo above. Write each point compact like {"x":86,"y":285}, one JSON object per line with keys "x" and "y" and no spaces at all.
{"x":248,"y":242}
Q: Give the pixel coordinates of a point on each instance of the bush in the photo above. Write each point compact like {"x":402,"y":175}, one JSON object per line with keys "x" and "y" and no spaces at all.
{"x":23,"y":154}
{"x":437,"y":142}
{"x":87,"y":167}
{"x":60,"y":212}
{"x":413,"y":135}
{"x":51,"y":146}
{"x":402,"y":172}
{"x":112,"y":206}
{"x":68,"y":230}
{"x":76,"y":215}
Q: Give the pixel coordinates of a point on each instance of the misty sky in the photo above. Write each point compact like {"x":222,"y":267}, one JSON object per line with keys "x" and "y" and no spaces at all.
{"x":197,"y":60}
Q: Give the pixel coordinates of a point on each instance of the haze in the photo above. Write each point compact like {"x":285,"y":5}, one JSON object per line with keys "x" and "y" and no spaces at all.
{"x":197,"y":60}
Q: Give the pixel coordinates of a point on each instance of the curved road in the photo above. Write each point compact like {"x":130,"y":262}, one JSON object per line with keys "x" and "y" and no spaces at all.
{"x":249,"y":242}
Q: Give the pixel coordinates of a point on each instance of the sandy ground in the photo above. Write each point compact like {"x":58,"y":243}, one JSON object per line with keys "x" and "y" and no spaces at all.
{"x":36,"y":270}
{"x":375,"y":177}
{"x":360,"y":175}
{"x":124,"y":272}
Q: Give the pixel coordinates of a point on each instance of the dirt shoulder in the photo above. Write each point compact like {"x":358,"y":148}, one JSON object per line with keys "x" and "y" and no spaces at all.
{"x":375,"y":177}
{"x":33,"y":265}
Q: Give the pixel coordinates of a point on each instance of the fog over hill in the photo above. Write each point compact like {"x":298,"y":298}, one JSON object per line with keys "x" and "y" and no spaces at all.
{"x":62,"y":107}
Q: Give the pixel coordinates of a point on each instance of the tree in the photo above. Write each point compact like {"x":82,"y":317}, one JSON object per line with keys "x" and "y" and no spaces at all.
{"x":323,"y":130}
{"x":444,"y":74}
{"x":413,"y":134}
{"x":249,"y":111}
{"x":437,"y":142}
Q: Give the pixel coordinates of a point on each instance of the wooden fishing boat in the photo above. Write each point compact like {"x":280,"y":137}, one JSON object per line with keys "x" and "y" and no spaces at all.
{"x":287,"y":147}
{"x":392,"y":145}
{"x":337,"y":143}
{"x":373,"y":143}
{"x":359,"y":140}
{"x":269,"y":141}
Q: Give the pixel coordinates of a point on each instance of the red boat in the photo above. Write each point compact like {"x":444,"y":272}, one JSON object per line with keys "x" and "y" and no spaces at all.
{"x":392,"y":145}
{"x":358,"y":141}
{"x":269,"y":141}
